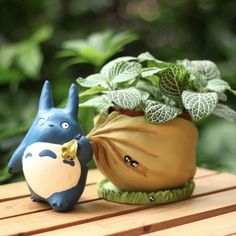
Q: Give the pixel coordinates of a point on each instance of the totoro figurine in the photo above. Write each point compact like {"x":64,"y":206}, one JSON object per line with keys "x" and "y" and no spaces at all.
{"x":54,"y":154}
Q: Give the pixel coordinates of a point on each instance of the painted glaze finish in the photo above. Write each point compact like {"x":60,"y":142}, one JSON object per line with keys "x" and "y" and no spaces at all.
{"x":139,"y":156}
{"x":50,"y":178}
{"x":38,"y":170}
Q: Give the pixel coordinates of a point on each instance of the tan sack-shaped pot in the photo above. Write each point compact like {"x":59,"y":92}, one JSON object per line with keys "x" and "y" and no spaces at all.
{"x":138,"y":156}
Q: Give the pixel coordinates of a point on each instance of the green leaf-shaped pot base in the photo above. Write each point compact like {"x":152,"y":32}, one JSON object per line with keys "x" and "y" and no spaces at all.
{"x":107,"y":190}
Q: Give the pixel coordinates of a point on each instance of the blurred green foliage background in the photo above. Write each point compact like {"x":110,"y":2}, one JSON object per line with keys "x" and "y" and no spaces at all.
{"x":60,"y":40}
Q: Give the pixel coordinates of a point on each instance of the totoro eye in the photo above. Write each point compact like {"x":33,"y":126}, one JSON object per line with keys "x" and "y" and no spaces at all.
{"x":41,"y":121}
{"x":65,"y":125}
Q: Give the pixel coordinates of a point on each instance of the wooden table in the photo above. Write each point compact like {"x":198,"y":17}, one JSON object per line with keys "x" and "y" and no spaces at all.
{"x":211,"y":211}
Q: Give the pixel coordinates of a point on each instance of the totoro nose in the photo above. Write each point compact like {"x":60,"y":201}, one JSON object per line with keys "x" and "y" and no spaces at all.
{"x":50,"y":124}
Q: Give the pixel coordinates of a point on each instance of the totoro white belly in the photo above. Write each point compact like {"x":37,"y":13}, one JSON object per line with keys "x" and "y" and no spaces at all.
{"x":47,"y":174}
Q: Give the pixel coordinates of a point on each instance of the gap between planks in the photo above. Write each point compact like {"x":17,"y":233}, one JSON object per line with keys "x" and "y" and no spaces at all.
{"x":23,"y":206}
{"x":207,"y":184}
{"x":20,"y":189}
{"x":153,"y":219}
{"x":224,"y":224}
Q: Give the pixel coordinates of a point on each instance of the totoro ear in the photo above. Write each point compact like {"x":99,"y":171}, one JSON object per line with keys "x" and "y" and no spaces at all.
{"x":45,"y":101}
{"x":73,"y":101}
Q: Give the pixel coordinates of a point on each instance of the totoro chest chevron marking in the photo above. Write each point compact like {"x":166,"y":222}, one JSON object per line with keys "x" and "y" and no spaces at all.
{"x":46,"y":172}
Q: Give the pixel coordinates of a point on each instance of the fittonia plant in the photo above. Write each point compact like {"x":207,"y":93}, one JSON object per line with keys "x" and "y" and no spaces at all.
{"x":160,"y":89}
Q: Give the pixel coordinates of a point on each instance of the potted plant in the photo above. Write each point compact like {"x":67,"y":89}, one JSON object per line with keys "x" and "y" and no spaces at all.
{"x":144,"y":139}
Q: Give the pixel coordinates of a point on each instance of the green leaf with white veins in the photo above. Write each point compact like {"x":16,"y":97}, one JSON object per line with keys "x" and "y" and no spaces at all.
{"x":146,"y":72}
{"x":92,"y":80}
{"x":218,"y":85}
{"x":222,"y":96}
{"x":106,"y":68}
{"x":126,"y":98}
{"x":146,"y":56}
{"x":225,"y":112}
{"x":205,"y":67}
{"x":100,"y":102}
{"x":157,"y":112}
{"x":151,"y":60}
{"x":123,"y":71}
{"x":199,"y":81}
{"x":199,"y":105}
{"x":93,"y":91}
{"x":173,"y":81}
{"x":187,"y":65}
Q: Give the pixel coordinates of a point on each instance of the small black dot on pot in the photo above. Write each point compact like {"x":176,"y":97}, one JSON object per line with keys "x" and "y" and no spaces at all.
{"x":127,"y":158}
{"x":134,"y":164}
{"x":151,"y":198}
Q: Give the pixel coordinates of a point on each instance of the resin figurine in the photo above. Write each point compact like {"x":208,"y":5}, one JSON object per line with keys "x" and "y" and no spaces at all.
{"x":54,"y":154}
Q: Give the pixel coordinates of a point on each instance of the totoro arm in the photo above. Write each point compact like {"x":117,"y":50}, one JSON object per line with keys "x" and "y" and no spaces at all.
{"x":15,"y":163}
{"x":85,"y":151}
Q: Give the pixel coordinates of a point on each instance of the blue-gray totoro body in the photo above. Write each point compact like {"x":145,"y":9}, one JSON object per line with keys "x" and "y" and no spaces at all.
{"x":54,"y":153}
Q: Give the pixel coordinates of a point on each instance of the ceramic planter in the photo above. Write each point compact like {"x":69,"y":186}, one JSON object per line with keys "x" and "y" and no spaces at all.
{"x":138,"y":156}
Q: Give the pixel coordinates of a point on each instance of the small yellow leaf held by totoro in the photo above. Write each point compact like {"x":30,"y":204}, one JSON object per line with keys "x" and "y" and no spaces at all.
{"x":69,"y":150}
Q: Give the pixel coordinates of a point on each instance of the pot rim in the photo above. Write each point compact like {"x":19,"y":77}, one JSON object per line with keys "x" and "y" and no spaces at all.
{"x":132,"y":113}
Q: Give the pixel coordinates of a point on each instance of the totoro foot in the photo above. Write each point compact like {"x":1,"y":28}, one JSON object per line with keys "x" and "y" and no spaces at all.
{"x":36,"y":199}
{"x":60,"y":206}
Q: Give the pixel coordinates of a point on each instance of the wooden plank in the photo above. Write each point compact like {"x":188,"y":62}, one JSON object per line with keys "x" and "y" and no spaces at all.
{"x":144,"y":219}
{"x":214,"y":183}
{"x":156,"y":218}
{"x":82,"y":213}
{"x":202,"y":172}
{"x":22,"y":206}
{"x":219,"y":225}
{"x":93,"y":176}
{"x":20,"y":189}
{"x":14,"y":190}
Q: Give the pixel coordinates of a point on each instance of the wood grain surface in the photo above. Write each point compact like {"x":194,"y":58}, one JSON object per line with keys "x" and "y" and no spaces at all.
{"x":213,"y":201}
